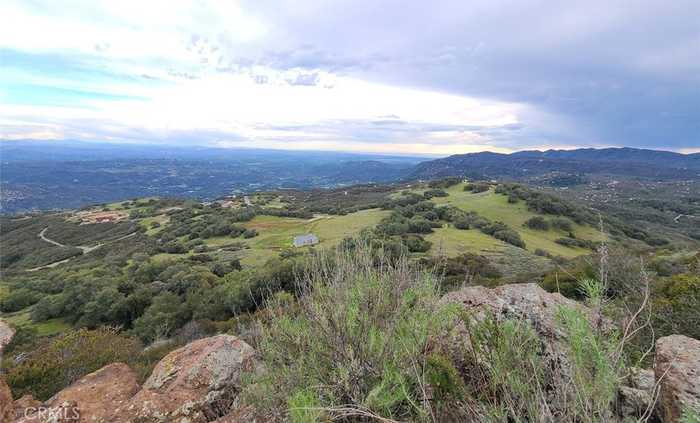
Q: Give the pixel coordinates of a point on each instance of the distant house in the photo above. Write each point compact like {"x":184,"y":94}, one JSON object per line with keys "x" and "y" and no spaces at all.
{"x":303,"y":240}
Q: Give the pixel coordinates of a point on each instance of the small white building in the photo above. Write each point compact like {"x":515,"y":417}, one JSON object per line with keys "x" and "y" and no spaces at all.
{"x":304,"y":240}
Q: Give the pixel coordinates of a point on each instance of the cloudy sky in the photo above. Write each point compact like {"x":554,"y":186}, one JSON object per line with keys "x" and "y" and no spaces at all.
{"x":429,"y":77}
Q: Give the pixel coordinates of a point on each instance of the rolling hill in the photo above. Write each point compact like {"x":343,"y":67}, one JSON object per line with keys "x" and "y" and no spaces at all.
{"x":523,"y":165}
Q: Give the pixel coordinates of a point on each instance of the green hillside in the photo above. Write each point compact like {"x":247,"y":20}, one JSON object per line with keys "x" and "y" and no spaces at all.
{"x":497,"y":208}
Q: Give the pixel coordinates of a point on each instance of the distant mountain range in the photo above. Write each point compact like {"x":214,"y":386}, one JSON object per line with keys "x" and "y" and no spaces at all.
{"x":628,"y":162}
{"x":47,"y":175}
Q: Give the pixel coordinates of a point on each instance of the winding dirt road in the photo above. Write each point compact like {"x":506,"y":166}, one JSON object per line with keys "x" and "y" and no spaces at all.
{"x":85,"y":249}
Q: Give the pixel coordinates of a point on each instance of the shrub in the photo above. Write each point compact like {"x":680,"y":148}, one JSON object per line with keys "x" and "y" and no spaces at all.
{"x":510,"y":236}
{"x":434,"y":193}
{"x":562,"y":223}
{"x":504,"y":357}
{"x":52,"y":364}
{"x":508,"y":380}
{"x":462,"y":223}
{"x":537,"y":223}
{"x":573,"y":242}
{"x":477,"y":187}
{"x":250,"y":233}
{"x":594,"y":369}
{"x":358,"y":336}
{"x":18,"y":299}
{"x":164,"y":315}
{"x":675,"y":306}
{"x":416,"y":244}
{"x":420,"y":226}
{"x":540,"y":252}
{"x":445,"y":182}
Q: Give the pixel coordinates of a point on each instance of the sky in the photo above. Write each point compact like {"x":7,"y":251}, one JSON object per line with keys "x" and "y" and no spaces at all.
{"x":383,"y":76}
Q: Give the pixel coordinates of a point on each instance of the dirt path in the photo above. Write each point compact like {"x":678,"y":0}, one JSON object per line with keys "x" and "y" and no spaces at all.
{"x":50,"y":241}
{"x":683,"y":215}
{"x":50,"y":265}
{"x":124,"y":237}
{"x":84,"y":248}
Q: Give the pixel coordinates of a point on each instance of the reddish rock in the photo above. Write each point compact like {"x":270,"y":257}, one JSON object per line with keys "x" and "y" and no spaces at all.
{"x":532,"y":304}
{"x":636,"y":395}
{"x":25,"y":405}
{"x":7,"y":411}
{"x":526,"y":301}
{"x":196,"y":383}
{"x":677,"y":369}
{"x":92,"y":398}
{"x":240,"y":415}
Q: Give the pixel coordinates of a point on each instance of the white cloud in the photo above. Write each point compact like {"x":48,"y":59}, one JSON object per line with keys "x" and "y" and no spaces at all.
{"x":176,"y":58}
{"x":329,"y":115}
{"x":431,"y":78}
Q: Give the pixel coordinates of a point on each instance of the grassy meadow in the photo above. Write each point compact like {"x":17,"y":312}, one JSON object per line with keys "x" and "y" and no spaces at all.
{"x":496,"y":207}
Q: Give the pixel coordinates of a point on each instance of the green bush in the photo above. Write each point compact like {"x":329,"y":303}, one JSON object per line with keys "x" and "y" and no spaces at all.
{"x":510,"y":236}
{"x":537,"y":223}
{"x":477,"y":187}
{"x":435,"y":193}
{"x":359,"y":336}
{"x":675,"y":306}
{"x":462,"y":223}
{"x":164,"y":315}
{"x":250,"y":233}
{"x":44,"y":368}
{"x":509,"y":379}
{"x":444,"y":182}
{"x":416,"y":244}
{"x":562,"y":223}
{"x":18,"y":299}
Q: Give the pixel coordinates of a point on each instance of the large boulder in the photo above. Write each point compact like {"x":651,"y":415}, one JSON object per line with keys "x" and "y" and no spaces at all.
{"x":7,"y":410}
{"x":199,"y":382}
{"x":541,"y":309}
{"x":524,"y":302}
{"x":677,"y":370}
{"x":92,"y":398}
{"x":636,"y":396}
{"x":25,"y":406}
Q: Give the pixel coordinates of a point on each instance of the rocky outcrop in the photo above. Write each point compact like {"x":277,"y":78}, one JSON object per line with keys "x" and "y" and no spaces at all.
{"x":92,"y":398}
{"x":196,"y":383}
{"x":25,"y":405}
{"x":7,"y":410}
{"x":6,"y":335}
{"x":521,"y":301}
{"x":542,"y":310}
{"x":636,"y":396}
{"x":677,"y":370}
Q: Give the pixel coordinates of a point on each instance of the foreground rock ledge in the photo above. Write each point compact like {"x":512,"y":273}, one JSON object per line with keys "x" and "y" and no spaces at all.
{"x":197,"y":383}
{"x":677,"y":367}
{"x":94,"y":396}
{"x":527,"y":301}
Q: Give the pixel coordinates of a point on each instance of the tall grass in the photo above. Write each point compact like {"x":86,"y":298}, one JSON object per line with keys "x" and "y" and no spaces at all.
{"x":367,"y":340}
{"x":356,"y":344}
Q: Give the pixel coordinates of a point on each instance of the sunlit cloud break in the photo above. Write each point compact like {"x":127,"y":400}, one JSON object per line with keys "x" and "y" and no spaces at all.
{"x":334,"y":77}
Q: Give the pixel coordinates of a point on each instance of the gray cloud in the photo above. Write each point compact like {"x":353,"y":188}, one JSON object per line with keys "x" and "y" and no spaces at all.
{"x":599,"y":72}
{"x":305,"y":79}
